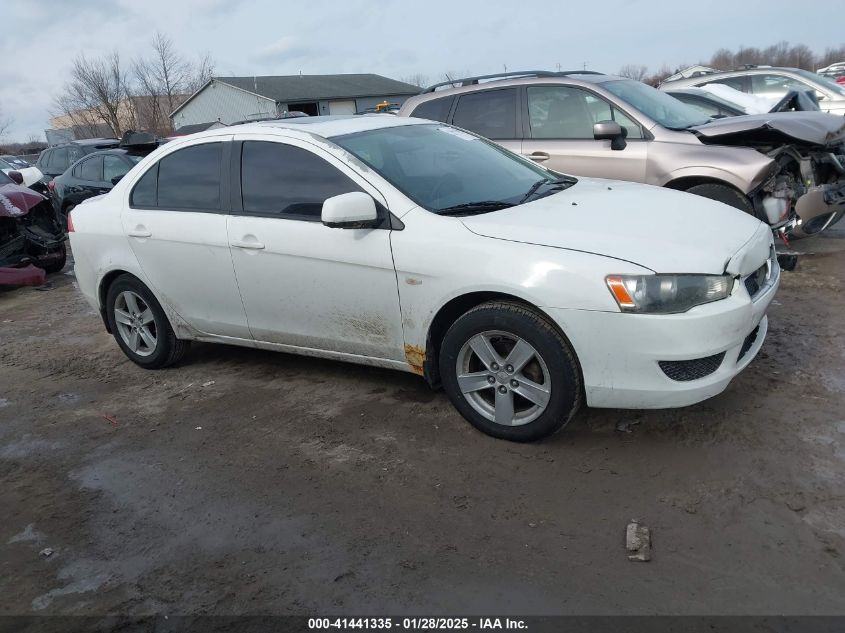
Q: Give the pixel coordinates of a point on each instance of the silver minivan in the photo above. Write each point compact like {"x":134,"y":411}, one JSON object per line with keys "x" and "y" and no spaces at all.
{"x":786,"y":169}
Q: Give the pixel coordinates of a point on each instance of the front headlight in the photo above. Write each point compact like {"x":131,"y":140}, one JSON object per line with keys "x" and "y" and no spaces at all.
{"x":667,"y":294}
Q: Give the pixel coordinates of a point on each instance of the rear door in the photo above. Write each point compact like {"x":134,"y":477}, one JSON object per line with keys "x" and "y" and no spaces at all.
{"x":175,"y":222}
{"x":559,"y":134}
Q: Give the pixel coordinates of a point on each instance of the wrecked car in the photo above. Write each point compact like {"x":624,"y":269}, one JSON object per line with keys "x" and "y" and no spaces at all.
{"x":417,"y":246}
{"x":787,"y":173}
{"x":30,"y":233}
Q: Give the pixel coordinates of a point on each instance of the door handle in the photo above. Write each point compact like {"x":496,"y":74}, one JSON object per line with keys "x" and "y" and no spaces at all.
{"x":539,"y":157}
{"x":252,"y":245}
{"x":139,"y":231}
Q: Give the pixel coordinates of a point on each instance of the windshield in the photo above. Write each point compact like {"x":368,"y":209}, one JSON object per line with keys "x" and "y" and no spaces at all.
{"x":4,"y":179}
{"x":444,"y":169}
{"x":663,"y":108}
{"x":824,"y":82}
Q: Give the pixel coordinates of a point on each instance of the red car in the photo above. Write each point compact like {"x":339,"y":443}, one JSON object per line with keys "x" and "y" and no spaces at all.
{"x":32,"y":239}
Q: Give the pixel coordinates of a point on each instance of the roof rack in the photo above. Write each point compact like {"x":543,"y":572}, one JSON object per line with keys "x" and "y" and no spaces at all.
{"x":469,"y":81}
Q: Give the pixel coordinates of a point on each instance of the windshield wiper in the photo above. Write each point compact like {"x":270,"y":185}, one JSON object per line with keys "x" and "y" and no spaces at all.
{"x":555,"y":184}
{"x":469,"y":208}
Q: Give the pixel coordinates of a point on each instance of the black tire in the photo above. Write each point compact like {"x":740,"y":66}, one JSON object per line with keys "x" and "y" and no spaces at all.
{"x":56,"y":265}
{"x":725,"y":194}
{"x":565,"y":390}
{"x":168,"y":349}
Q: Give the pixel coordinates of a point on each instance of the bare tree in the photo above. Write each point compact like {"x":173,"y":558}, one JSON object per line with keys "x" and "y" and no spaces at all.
{"x":5,"y":123}
{"x":417,"y":79}
{"x":97,"y":93}
{"x":636,"y":72}
{"x":163,"y":80}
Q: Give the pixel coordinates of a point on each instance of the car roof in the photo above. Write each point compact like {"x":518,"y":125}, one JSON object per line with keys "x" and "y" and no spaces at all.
{"x":325,"y":126}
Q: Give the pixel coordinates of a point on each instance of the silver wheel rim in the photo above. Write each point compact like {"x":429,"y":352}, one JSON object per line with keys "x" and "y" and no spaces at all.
{"x":135,"y":323}
{"x":503,"y":378}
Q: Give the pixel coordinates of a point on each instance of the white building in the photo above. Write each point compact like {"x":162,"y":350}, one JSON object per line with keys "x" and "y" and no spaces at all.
{"x":231,"y":99}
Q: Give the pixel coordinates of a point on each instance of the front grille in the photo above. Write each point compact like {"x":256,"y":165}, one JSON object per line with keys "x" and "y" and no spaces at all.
{"x":686,"y":370}
{"x":747,"y":343}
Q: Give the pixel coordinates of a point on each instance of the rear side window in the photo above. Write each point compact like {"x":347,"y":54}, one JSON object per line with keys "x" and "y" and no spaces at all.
{"x":737,"y":83}
{"x":190,"y":178}
{"x":286,"y":181}
{"x":434,"y":110}
{"x":59,"y":160}
{"x":91,"y":169}
{"x":491,"y":113}
{"x":144,"y":192}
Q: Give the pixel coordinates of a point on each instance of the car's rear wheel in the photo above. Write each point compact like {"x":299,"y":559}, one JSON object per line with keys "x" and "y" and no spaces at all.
{"x":725,"y":194}
{"x":140,"y":326}
{"x":509,"y":372}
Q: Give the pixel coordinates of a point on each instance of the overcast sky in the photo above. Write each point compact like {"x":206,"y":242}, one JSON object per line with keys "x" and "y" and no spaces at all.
{"x":392,"y":38}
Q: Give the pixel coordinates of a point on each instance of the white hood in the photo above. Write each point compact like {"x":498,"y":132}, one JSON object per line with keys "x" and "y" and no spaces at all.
{"x":664,"y":230}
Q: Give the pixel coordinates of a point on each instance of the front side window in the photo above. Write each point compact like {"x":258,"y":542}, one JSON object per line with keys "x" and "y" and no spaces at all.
{"x":113,"y":167}
{"x":491,"y":113}
{"x":776,"y":86}
{"x":287,"y":181}
{"x":443,"y":169}
{"x":562,"y":112}
{"x":190,"y":178}
{"x":434,"y":110}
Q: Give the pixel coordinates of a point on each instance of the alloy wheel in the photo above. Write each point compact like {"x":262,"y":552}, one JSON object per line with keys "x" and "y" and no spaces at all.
{"x":504,"y":378}
{"x":135,"y":323}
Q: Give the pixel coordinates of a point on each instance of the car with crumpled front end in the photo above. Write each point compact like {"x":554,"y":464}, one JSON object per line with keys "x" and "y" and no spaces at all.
{"x":785,"y":169}
{"x":416,"y":246}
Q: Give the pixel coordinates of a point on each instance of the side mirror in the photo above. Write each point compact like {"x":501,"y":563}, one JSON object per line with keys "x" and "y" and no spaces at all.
{"x":612,"y":131}
{"x":116,"y":179}
{"x":354,"y":210}
{"x":16,"y":176}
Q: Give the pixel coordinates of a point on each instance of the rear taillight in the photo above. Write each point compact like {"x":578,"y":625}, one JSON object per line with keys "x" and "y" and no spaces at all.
{"x":70,"y":228}
{"x":51,"y":185}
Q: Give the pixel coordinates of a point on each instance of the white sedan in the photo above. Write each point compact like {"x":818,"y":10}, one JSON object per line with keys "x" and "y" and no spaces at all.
{"x":29,"y":173}
{"x":417,"y":246}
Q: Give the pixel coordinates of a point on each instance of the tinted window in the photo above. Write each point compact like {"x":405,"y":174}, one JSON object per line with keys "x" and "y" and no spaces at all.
{"x":737,"y":83}
{"x":91,"y":169}
{"x":59,"y":160}
{"x":190,"y":178}
{"x":113,"y":167}
{"x":491,"y":113}
{"x":435,"y":110}
{"x":561,"y":112}
{"x":286,"y":180}
{"x":144,"y":193}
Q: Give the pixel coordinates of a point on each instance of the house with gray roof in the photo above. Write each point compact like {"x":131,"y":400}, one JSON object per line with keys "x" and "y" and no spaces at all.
{"x":231,"y":99}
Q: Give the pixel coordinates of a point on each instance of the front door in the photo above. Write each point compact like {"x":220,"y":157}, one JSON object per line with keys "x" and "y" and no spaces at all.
{"x":560,"y":135}
{"x":304,"y":284}
{"x":176,"y":225}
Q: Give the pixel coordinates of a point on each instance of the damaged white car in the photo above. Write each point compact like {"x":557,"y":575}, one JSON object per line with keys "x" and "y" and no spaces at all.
{"x":416,"y":246}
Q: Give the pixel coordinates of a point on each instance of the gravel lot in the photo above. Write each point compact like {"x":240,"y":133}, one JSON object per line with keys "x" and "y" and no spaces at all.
{"x":250,"y":482}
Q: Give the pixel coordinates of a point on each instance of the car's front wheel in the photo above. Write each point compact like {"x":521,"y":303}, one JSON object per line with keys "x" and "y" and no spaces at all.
{"x":140,"y":326}
{"x":509,"y":371}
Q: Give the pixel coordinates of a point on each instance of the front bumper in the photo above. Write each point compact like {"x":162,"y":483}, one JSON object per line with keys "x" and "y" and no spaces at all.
{"x":620,"y":353}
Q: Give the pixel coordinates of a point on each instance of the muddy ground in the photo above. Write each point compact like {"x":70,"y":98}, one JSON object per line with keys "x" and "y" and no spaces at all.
{"x":251,"y":482}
